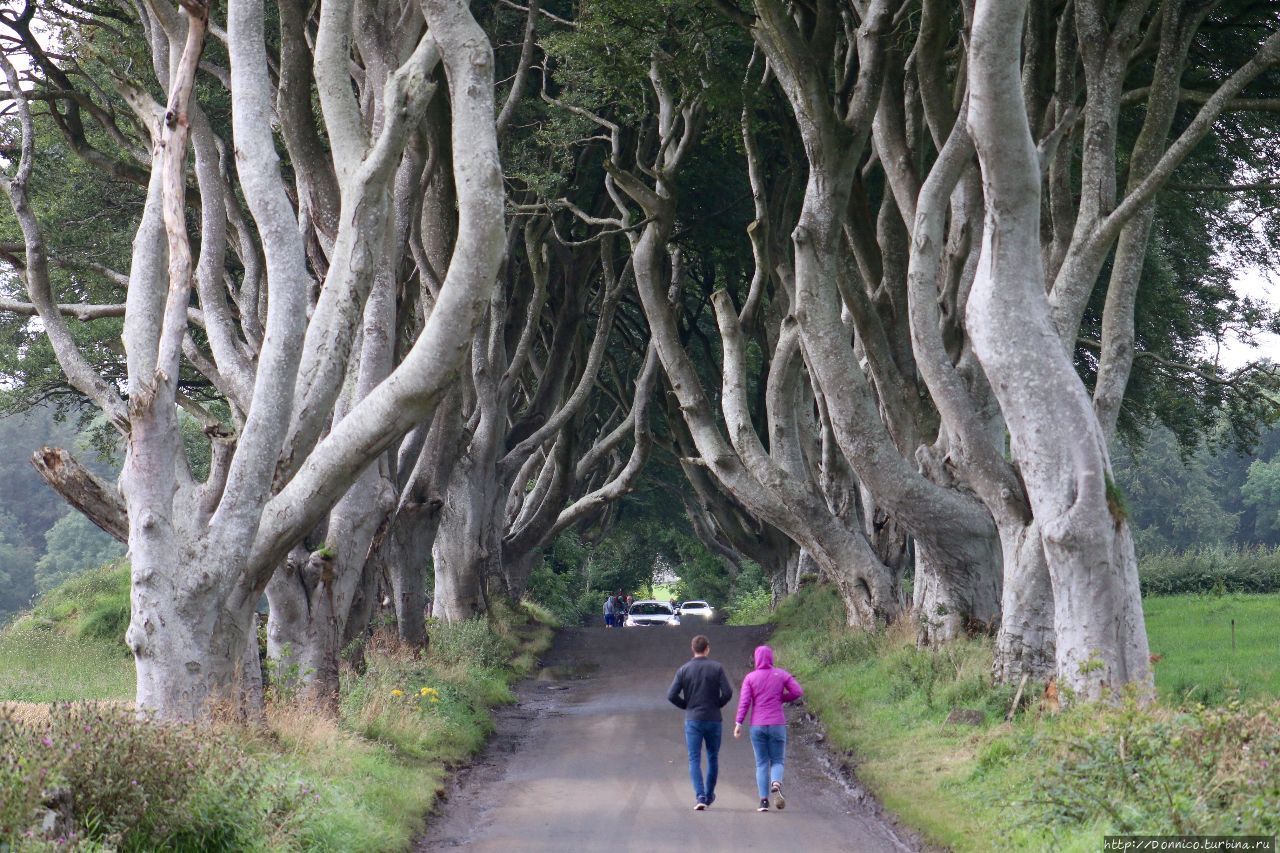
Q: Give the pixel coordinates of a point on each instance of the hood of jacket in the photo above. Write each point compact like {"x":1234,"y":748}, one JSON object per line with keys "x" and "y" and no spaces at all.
{"x":764,"y":657}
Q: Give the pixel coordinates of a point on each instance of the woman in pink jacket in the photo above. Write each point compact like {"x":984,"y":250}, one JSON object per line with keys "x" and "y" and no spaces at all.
{"x":763,"y":693}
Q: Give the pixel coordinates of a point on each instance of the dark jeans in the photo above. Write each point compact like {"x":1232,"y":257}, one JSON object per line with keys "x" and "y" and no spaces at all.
{"x":696,"y":732}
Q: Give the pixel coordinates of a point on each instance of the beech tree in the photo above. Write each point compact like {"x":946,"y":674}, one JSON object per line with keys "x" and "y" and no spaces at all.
{"x":281,"y":337}
{"x":879,"y":276}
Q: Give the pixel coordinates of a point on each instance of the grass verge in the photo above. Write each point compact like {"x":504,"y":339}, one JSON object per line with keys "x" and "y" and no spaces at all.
{"x":98,"y":777}
{"x":1045,"y":782}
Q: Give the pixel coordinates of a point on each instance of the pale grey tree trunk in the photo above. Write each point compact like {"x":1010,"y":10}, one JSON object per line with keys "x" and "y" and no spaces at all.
{"x":252,"y":689}
{"x":1101,"y":642}
{"x":1025,"y":642}
{"x":202,"y":553}
{"x":406,"y":562}
{"x":467,"y":551}
{"x":289,"y":594}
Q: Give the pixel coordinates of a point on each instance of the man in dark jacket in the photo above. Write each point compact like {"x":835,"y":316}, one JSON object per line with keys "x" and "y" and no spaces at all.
{"x":701,"y":687}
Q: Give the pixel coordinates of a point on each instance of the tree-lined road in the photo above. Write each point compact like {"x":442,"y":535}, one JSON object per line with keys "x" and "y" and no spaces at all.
{"x":593,"y":758}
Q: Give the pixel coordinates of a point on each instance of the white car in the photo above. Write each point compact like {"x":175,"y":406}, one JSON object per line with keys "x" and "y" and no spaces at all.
{"x":697,"y":608}
{"x":651,"y":613}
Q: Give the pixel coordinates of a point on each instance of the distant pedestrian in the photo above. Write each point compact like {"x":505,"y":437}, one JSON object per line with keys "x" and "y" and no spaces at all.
{"x":764,"y":691}
{"x":609,"y":611}
{"x":702,"y":688}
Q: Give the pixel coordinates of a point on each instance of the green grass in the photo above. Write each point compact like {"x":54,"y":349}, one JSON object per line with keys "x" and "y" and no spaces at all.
{"x":49,"y":668}
{"x":71,"y":645}
{"x":1192,"y":635}
{"x":373,"y":775}
{"x":1045,"y":782}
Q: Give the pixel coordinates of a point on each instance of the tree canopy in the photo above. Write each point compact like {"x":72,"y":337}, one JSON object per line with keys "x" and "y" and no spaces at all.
{"x":371,"y":293}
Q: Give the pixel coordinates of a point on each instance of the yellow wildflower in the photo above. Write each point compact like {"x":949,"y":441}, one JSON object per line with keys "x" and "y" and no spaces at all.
{"x":397,"y":692}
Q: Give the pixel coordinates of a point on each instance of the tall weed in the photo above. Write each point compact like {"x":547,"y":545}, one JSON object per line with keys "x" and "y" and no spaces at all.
{"x":98,"y":774}
{"x":1198,"y":771}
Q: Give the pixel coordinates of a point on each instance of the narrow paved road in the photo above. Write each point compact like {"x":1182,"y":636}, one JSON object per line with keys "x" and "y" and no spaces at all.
{"x":593,"y":758}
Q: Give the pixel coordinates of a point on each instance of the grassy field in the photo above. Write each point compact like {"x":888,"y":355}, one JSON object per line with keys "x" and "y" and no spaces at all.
{"x":71,"y":646}
{"x":364,"y":781}
{"x":1192,"y":636}
{"x":1051,"y":782}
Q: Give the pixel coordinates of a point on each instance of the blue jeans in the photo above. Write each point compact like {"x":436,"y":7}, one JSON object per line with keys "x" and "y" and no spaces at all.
{"x":770,"y":745}
{"x":696,"y":732}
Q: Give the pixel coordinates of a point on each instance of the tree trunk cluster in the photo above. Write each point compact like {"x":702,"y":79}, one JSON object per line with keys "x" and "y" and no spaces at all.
{"x":416,"y":359}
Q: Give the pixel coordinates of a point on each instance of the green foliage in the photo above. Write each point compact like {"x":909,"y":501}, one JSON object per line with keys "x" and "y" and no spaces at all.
{"x":702,"y":574}
{"x":752,"y":600}
{"x":436,"y":707}
{"x":1050,"y":782}
{"x":1261,"y":493}
{"x":132,"y":784}
{"x":16,"y":560}
{"x":1181,"y":498}
{"x":751,"y":607}
{"x":300,"y":783}
{"x":71,"y":646}
{"x":1116,"y":503}
{"x":29,"y":509}
{"x":471,"y":643}
{"x":74,"y":543}
{"x":1203,"y":771}
{"x":84,"y":606}
{"x":1210,"y":569}
{"x":559,"y":581}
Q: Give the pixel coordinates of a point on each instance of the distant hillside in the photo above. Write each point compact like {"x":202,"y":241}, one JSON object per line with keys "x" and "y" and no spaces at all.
{"x":71,"y":645}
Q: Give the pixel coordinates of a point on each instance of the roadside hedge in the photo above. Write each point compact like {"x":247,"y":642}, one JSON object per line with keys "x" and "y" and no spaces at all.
{"x":1210,"y":569}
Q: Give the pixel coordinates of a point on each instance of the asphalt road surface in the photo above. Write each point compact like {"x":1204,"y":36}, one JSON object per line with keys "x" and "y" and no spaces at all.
{"x":593,"y":758}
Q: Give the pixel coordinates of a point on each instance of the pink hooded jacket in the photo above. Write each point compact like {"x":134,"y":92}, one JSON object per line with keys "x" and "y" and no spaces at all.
{"x":764,"y":690}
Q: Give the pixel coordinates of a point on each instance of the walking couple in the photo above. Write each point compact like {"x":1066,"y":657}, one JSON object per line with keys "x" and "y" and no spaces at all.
{"x":701,"y":687}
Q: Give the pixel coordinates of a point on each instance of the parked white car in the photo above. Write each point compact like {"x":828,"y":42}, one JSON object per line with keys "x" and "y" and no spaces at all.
{"x":651,"y":613}
{"x":697,"y":608}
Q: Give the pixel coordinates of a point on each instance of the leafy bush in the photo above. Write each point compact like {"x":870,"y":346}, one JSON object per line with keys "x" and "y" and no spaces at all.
{"x":558,"y":593}
{"x":99,"y":774}
{"x":1202,"y":771}
{"x":751,"y":607}
{"x":420,"y":708}
{"x":751,"y":598}
{"x":1211,"y":569}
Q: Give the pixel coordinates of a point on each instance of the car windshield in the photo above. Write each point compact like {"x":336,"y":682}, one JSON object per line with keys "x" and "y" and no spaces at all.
{"x":650,"y":609}
{"x":695,"y":605}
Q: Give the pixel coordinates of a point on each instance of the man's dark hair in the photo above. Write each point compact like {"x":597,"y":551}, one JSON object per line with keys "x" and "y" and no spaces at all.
{"x":700,"y":645}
